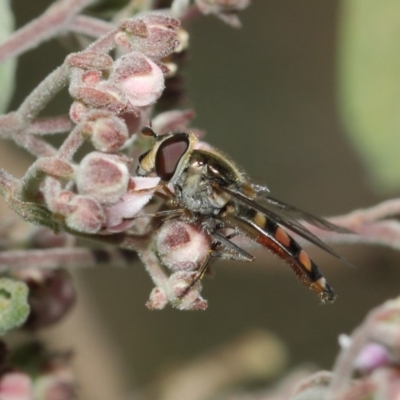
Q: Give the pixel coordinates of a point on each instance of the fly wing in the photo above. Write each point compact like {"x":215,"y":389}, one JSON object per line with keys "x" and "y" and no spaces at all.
{"x":290,"y":212}
{"x":284,"y":215}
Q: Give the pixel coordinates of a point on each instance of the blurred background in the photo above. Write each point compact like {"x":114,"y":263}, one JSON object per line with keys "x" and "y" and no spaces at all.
{"x":270,"y":95}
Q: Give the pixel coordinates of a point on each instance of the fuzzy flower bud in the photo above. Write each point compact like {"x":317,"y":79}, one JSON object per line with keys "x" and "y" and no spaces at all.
{"x":109,"y":133}
{"x":178,"y":283}
{"x":105,"y":177}
{"x":140,"y":192}
{"x":77,"y":111}
{"x":139,"y":78}
{"x":182,"y":246}
{"x":101,"y":96}
{"x":170,"y":121}
{"x":16,"y":386}
{"x":158,"y":299}
{"x":90,"y":60}
{"x":87,"y":215}
{"x":153,"y":35}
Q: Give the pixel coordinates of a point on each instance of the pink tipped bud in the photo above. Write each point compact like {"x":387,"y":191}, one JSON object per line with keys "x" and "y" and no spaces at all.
{"x":87,"y":216}
{"x":158,"y":299}
{"x":188,"y":299}
{"x":56,"y":167}
{"x":109,"y":134}
{"x":372,"y":356}
{"x":103,"y":176}
{"x":182,"y":246}
{"x":139,"y":78}
{"x":90,"y":60}
{"x":170,"y":121}
{"x":77,"y":111}
{"x":102,"y":96}
{"x":153,"y":35}
{"x":16,"y":386}
{"x":91,"y":78}
{"x":131,"y":203}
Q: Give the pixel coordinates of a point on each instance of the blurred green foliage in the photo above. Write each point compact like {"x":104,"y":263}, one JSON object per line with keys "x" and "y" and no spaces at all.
{"x":369,"y":85}
{"x":14,"y":307}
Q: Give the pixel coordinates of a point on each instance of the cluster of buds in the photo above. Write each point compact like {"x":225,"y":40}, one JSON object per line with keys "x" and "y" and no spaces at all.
{"x":112,"y":100}
{"x":115,"y":84}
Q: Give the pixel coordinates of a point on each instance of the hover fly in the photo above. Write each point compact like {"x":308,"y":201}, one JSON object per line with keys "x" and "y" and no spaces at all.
{"x":218,"y":196}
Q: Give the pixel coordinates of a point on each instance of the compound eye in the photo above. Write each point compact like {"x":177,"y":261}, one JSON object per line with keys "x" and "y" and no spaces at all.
{"x":169,"y":154}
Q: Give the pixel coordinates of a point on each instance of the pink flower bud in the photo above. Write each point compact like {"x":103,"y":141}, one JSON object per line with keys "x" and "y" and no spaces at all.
{"x":182,"y":246}
{"x":109,"y":134}
{"x":77,"y":111}
{"x":55,"y":167}
{"x":103,"y":176}
{"x":15,"y":386}
{"x":158,"y":299}
{"x":178,"y":283}
{"x":131,"y":203}
{"x":372,"y":356}
{"x":91,"y":78}
{"x":102,"y":96}
{"x":153,"y":35}
{"x":90,"y":60}
{"x":87,"y":216}
{"x":139,"y":78}
{"x":132,"y":121}
{"x":170,"y":121}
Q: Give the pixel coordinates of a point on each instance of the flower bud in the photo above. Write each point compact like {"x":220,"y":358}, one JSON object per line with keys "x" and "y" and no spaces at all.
{"x":77,"y":111}
{"x":16,"y":386}
{"x":178,"y":283}
{"x":139,"y":78}
{"x":102,"y":96}
{"x":103,"y":176}
{"x":158,"y":299}
{"x":109,"y":134}
{"x":153,"y":35}
{"x":87,"y":215}
{"x":131,"y":203}
{"x":90,"y":60}
{"x":182,"y":246}
{"x":170,"y":121}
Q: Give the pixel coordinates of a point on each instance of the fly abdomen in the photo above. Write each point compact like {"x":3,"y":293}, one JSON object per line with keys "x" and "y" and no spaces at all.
{"x":269,"y":234}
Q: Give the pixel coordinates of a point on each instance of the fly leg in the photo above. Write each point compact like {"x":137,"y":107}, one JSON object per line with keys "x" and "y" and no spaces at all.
{"x":230,"y":252}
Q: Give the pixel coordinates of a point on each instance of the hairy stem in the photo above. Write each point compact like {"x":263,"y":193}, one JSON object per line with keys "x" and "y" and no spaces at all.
{"x":51,"y":23}
{"x":65,"y":258}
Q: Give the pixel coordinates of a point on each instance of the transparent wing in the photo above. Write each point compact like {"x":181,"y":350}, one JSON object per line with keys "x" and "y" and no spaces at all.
{"x":286,"y":216}
{"x":293,"y":212}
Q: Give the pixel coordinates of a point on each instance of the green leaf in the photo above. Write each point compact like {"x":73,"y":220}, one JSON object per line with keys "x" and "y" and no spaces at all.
{"x":8,"y":68}
{"x":369,"y":79}
{"x":14,"y":307}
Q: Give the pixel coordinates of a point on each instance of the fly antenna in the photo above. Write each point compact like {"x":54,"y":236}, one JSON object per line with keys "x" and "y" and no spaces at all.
{"x":148,"y":131}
